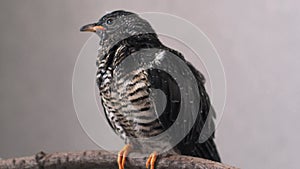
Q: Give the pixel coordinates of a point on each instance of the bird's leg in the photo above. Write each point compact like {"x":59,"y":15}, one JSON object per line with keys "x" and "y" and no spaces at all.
{"x":151,"y":160}
{"x":122,"y":155}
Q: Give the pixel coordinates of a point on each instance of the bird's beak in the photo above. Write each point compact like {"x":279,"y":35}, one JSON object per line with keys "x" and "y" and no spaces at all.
{"x":91,"y":28}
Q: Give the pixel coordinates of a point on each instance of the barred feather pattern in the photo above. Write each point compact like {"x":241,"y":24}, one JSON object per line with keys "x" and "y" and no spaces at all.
{"x":127,"y":102}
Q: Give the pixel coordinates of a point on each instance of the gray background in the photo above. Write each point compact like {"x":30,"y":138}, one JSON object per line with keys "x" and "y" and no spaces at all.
{"x":257,"y":41}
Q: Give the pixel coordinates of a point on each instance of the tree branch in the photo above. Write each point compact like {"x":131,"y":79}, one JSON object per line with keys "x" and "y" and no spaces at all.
{"x":103,"y":159}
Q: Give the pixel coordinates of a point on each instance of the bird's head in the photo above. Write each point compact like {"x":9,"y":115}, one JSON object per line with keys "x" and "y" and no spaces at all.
{"x":118,"y":25}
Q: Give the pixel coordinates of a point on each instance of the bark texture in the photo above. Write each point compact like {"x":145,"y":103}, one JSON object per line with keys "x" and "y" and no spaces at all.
{"x":100,"y":159}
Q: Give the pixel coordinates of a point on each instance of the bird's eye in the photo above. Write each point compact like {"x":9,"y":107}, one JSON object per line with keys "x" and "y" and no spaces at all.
{"x":109,"y":21}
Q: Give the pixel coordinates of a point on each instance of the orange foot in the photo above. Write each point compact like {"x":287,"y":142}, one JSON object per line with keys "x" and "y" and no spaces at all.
{"x":151,"y":160}
{"x":122,"y":155}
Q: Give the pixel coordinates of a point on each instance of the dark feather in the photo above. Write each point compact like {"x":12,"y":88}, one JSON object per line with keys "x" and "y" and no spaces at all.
{"x":113,"y":55}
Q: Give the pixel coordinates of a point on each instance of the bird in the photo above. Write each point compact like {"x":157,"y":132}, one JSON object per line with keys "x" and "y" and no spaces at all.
{"x":126,"y":96}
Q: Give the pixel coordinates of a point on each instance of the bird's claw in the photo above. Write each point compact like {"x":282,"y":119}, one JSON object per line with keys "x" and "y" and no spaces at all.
{"x":151,"y":160}
{"x":122,"y":156}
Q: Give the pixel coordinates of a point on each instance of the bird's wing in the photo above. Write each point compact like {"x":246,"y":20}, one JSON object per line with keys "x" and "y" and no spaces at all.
{"x":173,"y":76}
{"x":206,"y":111}
{"x":199,"y":142}
{"x":188,"y":106}
{"x":167,"y":110}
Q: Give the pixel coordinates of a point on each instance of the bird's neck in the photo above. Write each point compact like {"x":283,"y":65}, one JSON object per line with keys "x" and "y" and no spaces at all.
{"x":112,"y":52}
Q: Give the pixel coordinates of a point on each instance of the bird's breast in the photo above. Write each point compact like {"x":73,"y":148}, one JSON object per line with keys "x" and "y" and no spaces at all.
{"x":127,"y":101}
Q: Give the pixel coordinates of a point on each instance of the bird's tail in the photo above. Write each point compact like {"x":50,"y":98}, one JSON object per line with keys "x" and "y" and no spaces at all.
{"x":207,"y":150}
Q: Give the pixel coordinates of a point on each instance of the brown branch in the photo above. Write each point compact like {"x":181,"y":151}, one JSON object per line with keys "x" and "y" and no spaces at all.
{"x":103,"y":159}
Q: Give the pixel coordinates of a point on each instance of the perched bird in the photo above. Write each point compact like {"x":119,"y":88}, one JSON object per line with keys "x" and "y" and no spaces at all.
{"x":129,"y":106}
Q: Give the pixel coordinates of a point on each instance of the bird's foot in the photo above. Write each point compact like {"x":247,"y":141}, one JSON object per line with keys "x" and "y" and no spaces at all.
{"x":151,"y":160}
{"x":122,"y":155}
